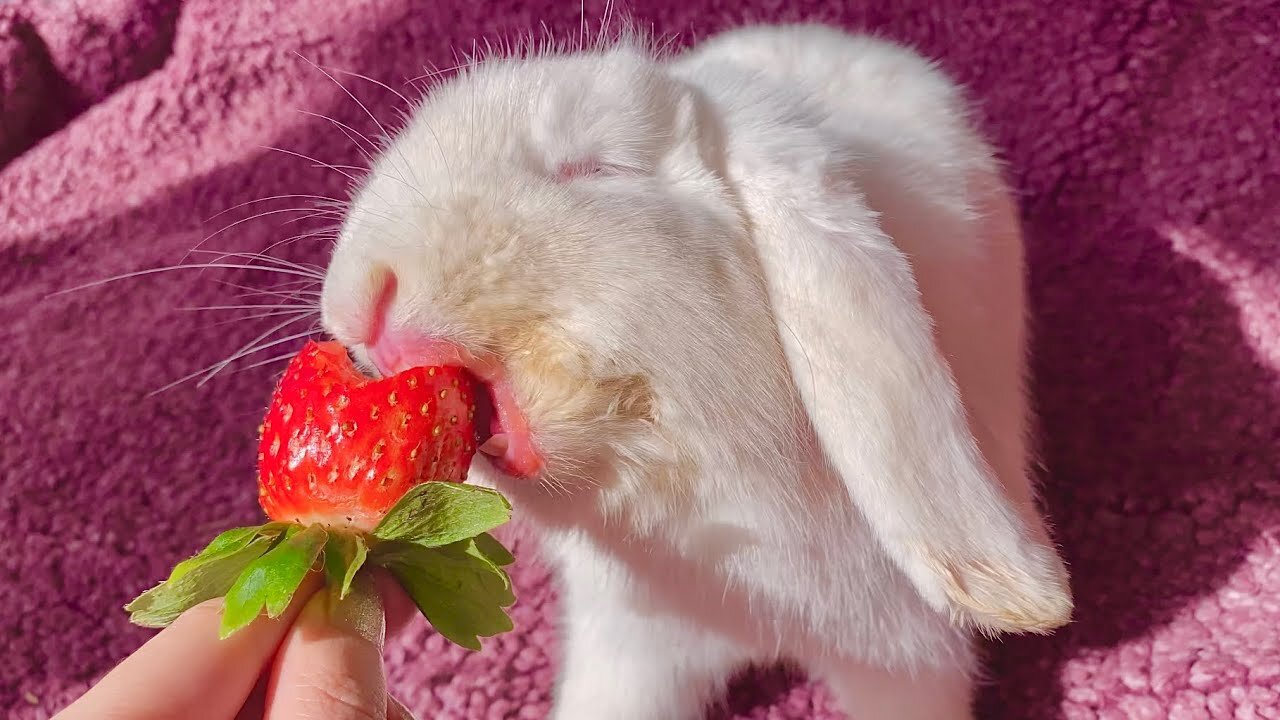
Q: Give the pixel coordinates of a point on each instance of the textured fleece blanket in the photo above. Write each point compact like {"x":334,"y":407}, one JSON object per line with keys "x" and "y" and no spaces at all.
{"x":1142,"y":136}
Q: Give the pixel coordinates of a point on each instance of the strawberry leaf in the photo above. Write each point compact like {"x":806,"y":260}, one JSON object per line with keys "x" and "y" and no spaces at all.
{"x":492,"y":550}
{"x":495,"y":579}
{"x":439,"y":513}
{"x":207,"y":575}
{"x":271,"y":580}
{"x":467,"y":554}
{"x":344,"y":554}
{"x":225,"y":543}
{"x":461,"y":593}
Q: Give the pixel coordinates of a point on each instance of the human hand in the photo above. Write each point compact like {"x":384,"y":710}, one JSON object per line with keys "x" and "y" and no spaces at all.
{"x":311,"y":662}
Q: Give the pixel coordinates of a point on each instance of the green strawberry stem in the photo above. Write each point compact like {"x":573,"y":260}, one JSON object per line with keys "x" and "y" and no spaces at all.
{"x":435,"y":541}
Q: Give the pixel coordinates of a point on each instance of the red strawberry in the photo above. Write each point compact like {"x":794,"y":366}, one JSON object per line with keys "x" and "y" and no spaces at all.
{"x":344,"y":465}
{"x":340,"y":448}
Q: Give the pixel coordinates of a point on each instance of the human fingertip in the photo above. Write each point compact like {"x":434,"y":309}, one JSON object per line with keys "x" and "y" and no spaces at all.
{"x":396,"y":710}
{"x":359,"y":613}
{"x":398,"y":608}
{"x":330,"y":664}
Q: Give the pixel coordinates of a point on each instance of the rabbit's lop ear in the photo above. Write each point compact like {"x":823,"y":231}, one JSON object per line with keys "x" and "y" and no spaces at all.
{"x":888,"y":413}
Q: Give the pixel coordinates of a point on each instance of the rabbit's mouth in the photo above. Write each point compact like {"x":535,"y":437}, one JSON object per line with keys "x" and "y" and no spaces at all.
{"x":502,"y":431}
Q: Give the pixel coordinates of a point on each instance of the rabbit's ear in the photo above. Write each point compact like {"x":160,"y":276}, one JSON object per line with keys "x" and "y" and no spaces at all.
{"x":888,"y":413}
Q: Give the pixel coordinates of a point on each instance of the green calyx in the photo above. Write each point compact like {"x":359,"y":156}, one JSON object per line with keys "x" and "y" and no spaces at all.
{"x":435,"y":542}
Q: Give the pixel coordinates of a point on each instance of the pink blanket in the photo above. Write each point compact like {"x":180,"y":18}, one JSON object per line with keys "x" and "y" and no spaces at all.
{"x":1142,"y":136}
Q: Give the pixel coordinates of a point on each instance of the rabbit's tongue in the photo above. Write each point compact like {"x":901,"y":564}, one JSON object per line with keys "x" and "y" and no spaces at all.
{"x":509,"y":445}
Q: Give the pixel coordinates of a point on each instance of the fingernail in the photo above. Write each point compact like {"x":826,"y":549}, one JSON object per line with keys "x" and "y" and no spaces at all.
{"x":397,"y":711}
{"x":360,"y":612}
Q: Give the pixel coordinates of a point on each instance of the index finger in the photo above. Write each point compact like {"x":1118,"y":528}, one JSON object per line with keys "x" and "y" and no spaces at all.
{"x":186,"y":670}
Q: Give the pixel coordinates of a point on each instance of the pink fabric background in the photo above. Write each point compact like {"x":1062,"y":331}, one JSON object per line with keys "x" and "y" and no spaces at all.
{"x":1141,"y":135}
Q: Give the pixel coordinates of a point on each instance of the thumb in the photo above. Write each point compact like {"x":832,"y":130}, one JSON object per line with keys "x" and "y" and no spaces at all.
{"x":330,"y":663}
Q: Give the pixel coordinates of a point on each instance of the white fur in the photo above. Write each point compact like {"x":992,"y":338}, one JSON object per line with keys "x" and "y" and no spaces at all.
{"x":739,"y":347}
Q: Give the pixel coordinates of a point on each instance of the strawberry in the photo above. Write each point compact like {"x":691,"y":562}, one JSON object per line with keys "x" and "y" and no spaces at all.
{"x":345,"y":465}
{"x":339,"y":448}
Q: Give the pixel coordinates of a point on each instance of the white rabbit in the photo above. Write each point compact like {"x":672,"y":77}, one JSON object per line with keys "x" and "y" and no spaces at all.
{"x":752,"y":322}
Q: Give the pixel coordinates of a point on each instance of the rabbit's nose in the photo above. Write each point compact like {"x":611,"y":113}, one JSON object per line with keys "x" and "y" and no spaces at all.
{"x":382,"y":282}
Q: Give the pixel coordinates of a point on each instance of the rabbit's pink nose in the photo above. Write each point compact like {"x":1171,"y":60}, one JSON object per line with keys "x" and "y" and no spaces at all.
{"x":384,"y":283}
